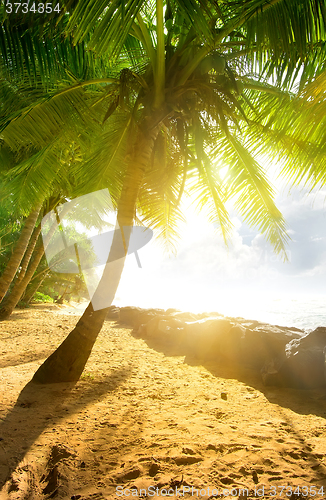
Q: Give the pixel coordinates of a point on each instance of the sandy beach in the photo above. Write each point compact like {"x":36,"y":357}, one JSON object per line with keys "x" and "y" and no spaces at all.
{"x":144,"y":422}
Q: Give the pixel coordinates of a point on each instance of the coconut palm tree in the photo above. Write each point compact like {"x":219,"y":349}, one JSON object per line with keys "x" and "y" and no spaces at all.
{"x":28,"y":225}
{"x":10,"y":229}
{"x":31,"y":172}
{"x":181,"y":89}
{"x":91,"y":217}
{"x":27,"y":273}
{"x":19,"y":251}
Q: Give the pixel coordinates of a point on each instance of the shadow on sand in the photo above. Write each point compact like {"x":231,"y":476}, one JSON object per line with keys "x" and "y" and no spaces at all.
{"x":25,"y":357}
{"x":305,"y":402}
{"x":46,"y":406}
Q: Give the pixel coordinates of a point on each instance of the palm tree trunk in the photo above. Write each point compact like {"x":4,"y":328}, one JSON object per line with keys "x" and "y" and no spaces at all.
{"x":28,"y":253}
{"x":59,"y":300}
{"x":19,"y":251}
{"x":9,"y":304}
{"x":30,"y":296}
{"x":67,"y":363}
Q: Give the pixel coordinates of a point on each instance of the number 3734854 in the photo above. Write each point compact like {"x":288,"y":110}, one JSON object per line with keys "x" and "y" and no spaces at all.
{"x":35,"y":7}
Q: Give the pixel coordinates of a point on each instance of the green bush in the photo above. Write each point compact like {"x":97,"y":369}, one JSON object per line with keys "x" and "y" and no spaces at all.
{"x":42,"y":297}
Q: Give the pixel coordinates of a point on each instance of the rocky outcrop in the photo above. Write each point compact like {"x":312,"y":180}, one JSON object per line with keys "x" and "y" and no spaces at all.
{"x":128,"y":315}
{"x":204,"y":338}
{"x":301,"y":365}
{"x":163,"y":329}
{"x":135,"y":316}
{"x":284,"y":356}
{"x":264,"y":342}
{"x":184,"y":316}
{"x":113,"y":313}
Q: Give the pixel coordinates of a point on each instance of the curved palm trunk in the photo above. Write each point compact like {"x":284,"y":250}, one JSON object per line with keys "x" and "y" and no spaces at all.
{"x":29,"y":297}
{"x":19,"y":251}
{"x":10,"y":302}
{"x":67,"y":363}
{"x":28,"y":253}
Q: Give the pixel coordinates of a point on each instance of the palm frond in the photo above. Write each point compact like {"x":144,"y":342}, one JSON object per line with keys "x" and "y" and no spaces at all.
{"x":209,"y":194}
{"x":107,"y":24}
{"x":159,"y":197}
{"x":252,"y":192}
{"x":44,"y":55}
{"x":287,"y":37}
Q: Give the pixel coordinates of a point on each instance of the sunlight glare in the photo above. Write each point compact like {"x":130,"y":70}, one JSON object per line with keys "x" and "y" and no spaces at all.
{"x":223,"y":172}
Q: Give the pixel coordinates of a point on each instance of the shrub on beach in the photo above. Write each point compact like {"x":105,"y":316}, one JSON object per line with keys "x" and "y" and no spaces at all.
{"x":42,"y":297}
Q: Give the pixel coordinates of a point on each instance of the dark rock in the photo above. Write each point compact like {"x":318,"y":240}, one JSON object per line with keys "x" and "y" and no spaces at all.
{"x":128,"y":315}
{"x":271,"y":371}
{"x":184,"y":316}
{"x":224,"y":396}
{"x":156,"y":310}
{"x":249,"y":323}
{"x":302,"y":364}
{"x":317,"y":338}
{"x":204,"y":338}
{"x":259,"y":345}
{"x":231,"y":344}
{"x":210,"y":315}
{"x":136,"y":316}
{"x":283,"y":355}
{"x":254,"y":350}
{"x":142,"y":318}
{"x":275,"y":338}
{"x":113,"y":313}
{"x":164,"y":329}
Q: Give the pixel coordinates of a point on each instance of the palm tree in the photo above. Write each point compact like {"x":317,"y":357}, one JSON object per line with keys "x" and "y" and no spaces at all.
{"x":19,"y":251}
{"x":32,"y":172}
{"x":180,"y":90}
{"x":92,"y":217}
{"x":10,"y":228}
{"x":27,"y":271}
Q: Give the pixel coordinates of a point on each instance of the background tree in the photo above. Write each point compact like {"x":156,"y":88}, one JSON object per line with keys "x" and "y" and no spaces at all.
{"x":90,"y":216}
{"x":20,"y":284}
{"x":10,"y":227}
{"x":27,"y":226}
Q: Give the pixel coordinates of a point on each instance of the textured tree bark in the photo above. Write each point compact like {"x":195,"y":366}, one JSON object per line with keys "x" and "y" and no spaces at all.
{"x":19,"y":251}
{"x":28,"y":253}
{"x":10,"y":302}
{"x":66,"y":364}
{"x":28,"y":299}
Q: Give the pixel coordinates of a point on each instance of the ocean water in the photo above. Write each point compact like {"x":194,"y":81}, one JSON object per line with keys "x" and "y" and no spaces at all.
{"x":304,"y":312}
